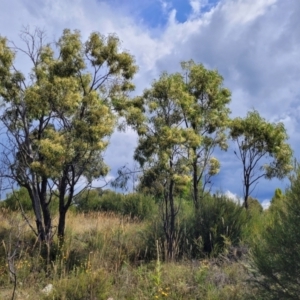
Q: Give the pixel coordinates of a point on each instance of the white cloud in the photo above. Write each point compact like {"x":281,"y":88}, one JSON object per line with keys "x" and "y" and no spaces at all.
{"x":242,"y":11}
{"x":266,"y":203}
{"x":166,"y":6}
{"x":196,"y":6}
{"x":234,"y":197}
{"x":255,"y":45}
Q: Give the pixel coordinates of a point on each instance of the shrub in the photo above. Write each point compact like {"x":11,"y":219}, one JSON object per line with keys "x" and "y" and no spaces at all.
{"x":276,"y":252}
{"x":13,"y":200}
{"x":88,"y":200}
{"x":138,"y":205}
{"x":21,"y":197}
{"x":218,"y":223}
{"x":135,"y":205}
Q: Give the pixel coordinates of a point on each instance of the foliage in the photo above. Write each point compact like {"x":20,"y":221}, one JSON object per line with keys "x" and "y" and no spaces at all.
{"x":275,"y":255}
{"x":20,"y":200}
{"x":161,"y":147}
{"x":138,"y":206}
{"x":277,"y":201}
{"x":205,"y":114}
{"x":134,"y":205}
{"x":217,"y":227}
{"x":183,"y":121}
{"x":58,"y":119}
{"x":218,"y":224}
{"x":256,"y":219}
{"x":254,"y":206}
{"x":88,"y":200}
{"x":262,"y":150}
{"x":57,"y":123}
{"x":17,"y":198}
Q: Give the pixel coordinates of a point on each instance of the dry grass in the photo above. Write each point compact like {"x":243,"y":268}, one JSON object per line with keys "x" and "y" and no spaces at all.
{"x":109,"y":248}
{"x":99,"y":221}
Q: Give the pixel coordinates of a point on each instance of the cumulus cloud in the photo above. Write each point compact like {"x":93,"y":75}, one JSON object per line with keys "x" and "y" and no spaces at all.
{"x":234,"y":197}
{"x":266,"y":203}
{"x":238,"y":12}
{"x":255,"y":45}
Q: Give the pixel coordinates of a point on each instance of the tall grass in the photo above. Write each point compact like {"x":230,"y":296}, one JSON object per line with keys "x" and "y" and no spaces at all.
{"x":112,"y":254}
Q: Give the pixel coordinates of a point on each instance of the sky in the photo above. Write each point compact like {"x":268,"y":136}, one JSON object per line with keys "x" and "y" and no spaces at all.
{"x":254,"y":44}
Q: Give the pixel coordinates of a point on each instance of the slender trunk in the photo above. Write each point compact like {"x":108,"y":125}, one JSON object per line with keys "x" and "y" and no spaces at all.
{"x":169,"y":215}
{"x":246,"y":205}
{"x":64,"y":205}
{"x":61,"y":226}
{"x":172,"y":223}
{"x":62,"y":212}
{"x":247,"y":188}
{"x":47,"y":222}
{"x":195,"y":184}
{"x":40,"y":229}
{"x":165,"y":216}
{"x":37,"y":212}
{"x":45,"y":210}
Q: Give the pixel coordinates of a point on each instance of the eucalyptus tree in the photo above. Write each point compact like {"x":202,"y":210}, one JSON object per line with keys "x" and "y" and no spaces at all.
{"x":161,"y":149}
{"x":58,"y":118}
{"x":206,"y":114}
{"x":262,"y":149}
{"x":185,"y":118}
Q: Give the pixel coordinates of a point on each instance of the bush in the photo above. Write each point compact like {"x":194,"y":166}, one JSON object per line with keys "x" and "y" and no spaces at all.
{"x":21,"y":196}
{"x":135,"y":205}
{"x":88,"y":200}
{"x":218,"y":224}
{"x":276,"y":252}
{"x":13,"y":200}
{"x":138,"y":205}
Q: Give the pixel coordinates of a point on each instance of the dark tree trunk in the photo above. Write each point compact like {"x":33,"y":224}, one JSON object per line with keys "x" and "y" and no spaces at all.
{"x":246,"y":196}
{"x":195,"y":184}
{"x":62,"y":212}
{"x":247,"y":189}
{"x":172,"y":216}
{"x":64,"y":204}
{"x":47,"y":222}
{"x":61,"y":226}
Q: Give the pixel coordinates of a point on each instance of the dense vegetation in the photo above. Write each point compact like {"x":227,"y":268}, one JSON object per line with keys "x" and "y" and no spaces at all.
{"x":169,"y":238}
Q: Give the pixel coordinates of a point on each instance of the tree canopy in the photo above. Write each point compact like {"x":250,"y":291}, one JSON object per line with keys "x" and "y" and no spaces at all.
{"x":57,"y":119}
{"x":184,"y":119}
{"x":262,"y":149}
{"x":206,"y":115}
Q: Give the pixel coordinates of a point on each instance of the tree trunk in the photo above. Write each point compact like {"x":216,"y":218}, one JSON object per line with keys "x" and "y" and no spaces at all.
{"x":47,"y":222}
{"x":45,"y":210}
{"x":246,"y":205}
{"x":195,"y":185}
{"x":37,"y":212}
{"x":247,"y":188}
{"x":64,"y":205}
{"x":61,"y":226}
{"x":172,"y":223}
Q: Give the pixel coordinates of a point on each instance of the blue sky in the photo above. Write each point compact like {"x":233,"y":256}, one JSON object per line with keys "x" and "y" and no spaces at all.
{"x":254,"y":44}
{"x":155,"y":13}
